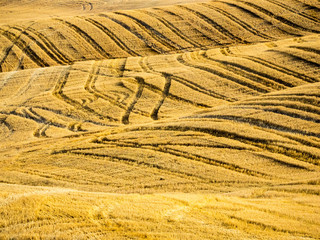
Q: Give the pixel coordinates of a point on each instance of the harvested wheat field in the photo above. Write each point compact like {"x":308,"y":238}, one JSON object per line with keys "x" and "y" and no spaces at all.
{"x":180,"y":119}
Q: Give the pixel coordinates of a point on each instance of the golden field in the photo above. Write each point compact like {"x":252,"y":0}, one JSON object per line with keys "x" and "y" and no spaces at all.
{"x":160,"y":119}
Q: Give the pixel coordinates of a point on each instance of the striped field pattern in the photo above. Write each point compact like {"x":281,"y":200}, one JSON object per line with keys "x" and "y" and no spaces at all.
{"x":190,"y":121}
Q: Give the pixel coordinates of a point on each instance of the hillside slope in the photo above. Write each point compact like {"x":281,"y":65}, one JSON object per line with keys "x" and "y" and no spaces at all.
{"x":190,"y":121}
{"x":144,"y":32}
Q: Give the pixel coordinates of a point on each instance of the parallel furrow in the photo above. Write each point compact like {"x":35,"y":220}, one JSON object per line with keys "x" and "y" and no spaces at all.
{"x":193,"y":157}
{"x":17,"y":41}
{"x":40,"y":45}
{"x":271,"y":65}
{"x":278,"y":110}
{"x":264,"y":144}
{"x":254,"y":15}
{"x":58,"y":92}
{"x":297,"y":58}
{"x":214,"y":24}
{"x":222,"y":75}
{"x":194,"y":26}
{"x":153,"y":32}
{"x":134,"y":162}
{"x":308,"y":108}
{"x":290,"y":9}
{"x":243,"y":24}
{"x":173,"y":29}
{"x":86,"y":37}
{"x":110,"y":34}
{"x":246,"y":72}
{"x":51,"y":46}
{"x":190,"y":84}
{"x":279,"y":18}
{"x":90,"y":87}
{"x":152,"y":46}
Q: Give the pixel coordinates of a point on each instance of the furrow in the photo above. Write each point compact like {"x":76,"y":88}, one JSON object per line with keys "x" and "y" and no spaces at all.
{"x":145,"y":67}
{"x":110,"y":34}
{"x":194,"y":157}
{"x":194,"y":26}
{"x":246,"y":72}
{"x":90,"y":87}
{"x":165,"y":92}
{"x":279,"y":18}
{"x":264,"y":124}
{"x":283,"y":112}
{"x":173,"y":29}
{"x":302,"y":107}
{"x":51,"y":46}
{"x":273,"y":66}
{"x":134,"y":162}
{"x":264,"y":144}
{"x":153,"y":32}
{"x":290,"y":9}
{"x":141,"y":83}
{"x":215,"y":25}
{"x":190,"y":84}
{"x":16,"y":40}
{"x":307,"y":49}
{"x":222,"y":75}
{"x":86,"y":37}
{"x":297,"y":58}
{"x":254,"y":15}
{"x":58,"y":92}
{"x":243,"y":24}
{"x":44,"y":48}
{"x":152,"y":46}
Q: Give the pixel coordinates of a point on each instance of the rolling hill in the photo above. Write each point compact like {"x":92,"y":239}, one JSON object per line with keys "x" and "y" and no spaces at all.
{"x":194,"y":120}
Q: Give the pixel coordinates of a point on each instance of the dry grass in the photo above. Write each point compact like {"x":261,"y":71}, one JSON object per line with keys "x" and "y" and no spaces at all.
{"x":193,"y":121}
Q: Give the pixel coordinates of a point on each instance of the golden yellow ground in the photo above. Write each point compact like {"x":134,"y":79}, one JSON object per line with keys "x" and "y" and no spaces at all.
{"x":189,"y":121}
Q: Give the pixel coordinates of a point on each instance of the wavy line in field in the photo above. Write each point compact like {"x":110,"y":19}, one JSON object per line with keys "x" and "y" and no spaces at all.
{"x":254,"y":15}
{"x":112,"y":36}
{"x":86,"y":37}
{"x":44,"y":48}
{"x":184,"y":81}
{"x":152,"y":46}
{"x":243,"y":24}
{"x":195,"y":27}
{"x":290,"y":152}
{"x":155,"y":34}
{"x":244,"y":83}
{"x":278,"y":110}
{"x":266,"y":63}
{"x":172,"y":28}
{"x":213,"y":24}
{"x":126,"y":115}
{"x":291,"y":105}
{"x":133,"y":162}
{"x":186,"y":155}
{"x":58,"y":92}
{"x":250,"y":73}
{"x":290,"y":9}
{"x":306,"y":49}
{"x":91,"y":88}
{"x":165,"y":93}
{"x":24,"y":47}
{"x":264,"y":144}
{"x":310,"y":100}
{"x":171,"y":96}
{"x":296,"y":58}
{"x":279,"y":18}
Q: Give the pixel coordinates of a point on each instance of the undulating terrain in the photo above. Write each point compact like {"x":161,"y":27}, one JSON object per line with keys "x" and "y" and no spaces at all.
{"x":160,"y":119}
